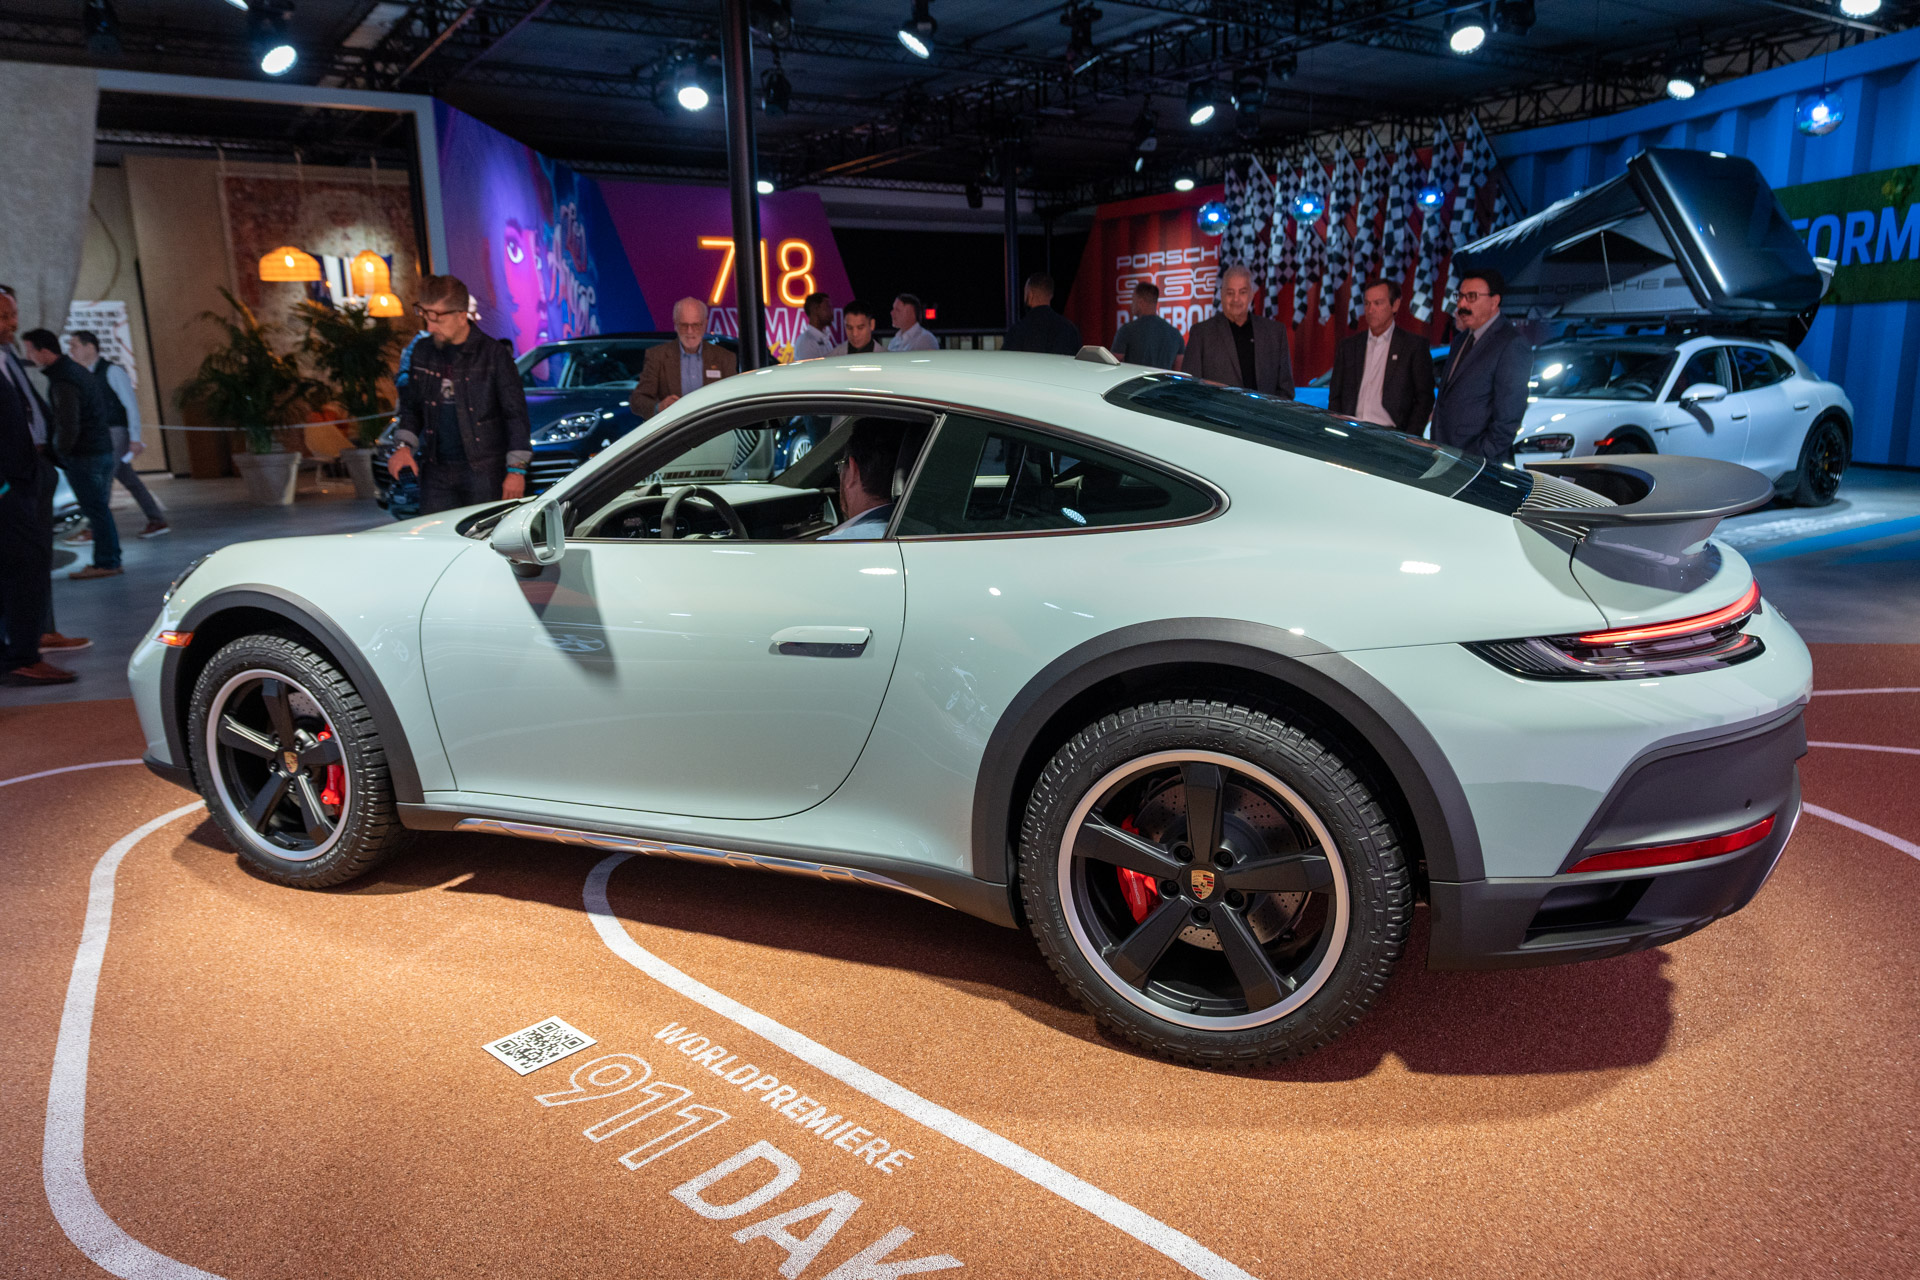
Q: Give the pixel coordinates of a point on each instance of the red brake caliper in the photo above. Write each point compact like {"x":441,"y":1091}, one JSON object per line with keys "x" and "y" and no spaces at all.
{"x":334,"y":792}
{"x":1141,"y":891}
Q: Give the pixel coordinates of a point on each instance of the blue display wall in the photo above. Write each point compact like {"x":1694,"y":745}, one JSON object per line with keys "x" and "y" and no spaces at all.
{"x":1871,"y":349}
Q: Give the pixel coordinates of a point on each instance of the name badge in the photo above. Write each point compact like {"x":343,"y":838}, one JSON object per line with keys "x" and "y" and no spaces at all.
{"x":713,"y":373}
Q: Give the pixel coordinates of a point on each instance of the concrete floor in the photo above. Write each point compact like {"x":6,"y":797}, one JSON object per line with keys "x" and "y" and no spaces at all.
{"x":1848,"y":573}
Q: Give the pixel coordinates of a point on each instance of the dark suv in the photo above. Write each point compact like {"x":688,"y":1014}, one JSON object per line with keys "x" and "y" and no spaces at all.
{"x":577,"y":392}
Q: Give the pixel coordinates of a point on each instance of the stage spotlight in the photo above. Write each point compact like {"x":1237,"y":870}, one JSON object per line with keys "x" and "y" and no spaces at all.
{"x":1200,"y":102}
{"x":267,"y":34}
{"x":1079,"y":20}
{"x":774,"y":18}
{"x":1307,"y":206}
{"x":1466,"y":30}
{"x":103,"y":27}
{"x":241,"y":5}
{"x":776,"y":91}
{"x":1859,"y":8}
{"x":916,"y":33}
{"x":1515,"y":17}
{"x":1286,"y":67}
{"x":1139,"y":164}
{"x":1429,"y":197}
{"x":1819,"y":113}
{"x":764,"y":186}
{"x":1183,"y":182}
{"x":688,"y":90}
{"x":1684,"y":79}
{"x":1212,"y":218}
{"x":1146,"y":129}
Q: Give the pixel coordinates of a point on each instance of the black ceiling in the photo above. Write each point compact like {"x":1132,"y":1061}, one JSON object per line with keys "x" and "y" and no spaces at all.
{"x":585,"y":79}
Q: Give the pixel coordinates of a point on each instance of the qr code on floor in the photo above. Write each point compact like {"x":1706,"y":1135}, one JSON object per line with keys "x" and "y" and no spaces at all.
{"x":536,"y":1046}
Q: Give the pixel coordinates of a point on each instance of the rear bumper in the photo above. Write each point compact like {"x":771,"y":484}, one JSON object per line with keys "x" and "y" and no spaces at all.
{"x":1667,"y":796}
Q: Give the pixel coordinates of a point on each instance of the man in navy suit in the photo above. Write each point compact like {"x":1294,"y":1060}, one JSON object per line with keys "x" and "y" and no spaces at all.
{"x":1484,"y":393}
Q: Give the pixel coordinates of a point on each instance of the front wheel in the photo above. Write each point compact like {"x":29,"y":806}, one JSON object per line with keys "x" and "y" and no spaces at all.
{"x":1214,"y":884}
{"x":1823,"y":460}
{"x":285,"y":752}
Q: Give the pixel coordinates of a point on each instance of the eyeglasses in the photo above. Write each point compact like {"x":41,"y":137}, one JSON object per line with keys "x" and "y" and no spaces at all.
{"x":430,"y":313}
{"x":1473,"y":296}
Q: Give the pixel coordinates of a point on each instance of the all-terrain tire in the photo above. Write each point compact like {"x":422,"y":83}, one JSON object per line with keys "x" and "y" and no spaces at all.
{"x":369,"y":830}
{"x":1380,"y":897}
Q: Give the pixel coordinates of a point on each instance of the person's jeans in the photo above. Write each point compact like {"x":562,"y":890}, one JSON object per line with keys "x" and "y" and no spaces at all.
{"x":446,"y":485}
{"x":130,"y":479}
{"x":91,"y":475}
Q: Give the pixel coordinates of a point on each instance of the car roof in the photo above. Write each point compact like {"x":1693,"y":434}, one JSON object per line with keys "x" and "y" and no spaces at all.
{"x":934,"y":373}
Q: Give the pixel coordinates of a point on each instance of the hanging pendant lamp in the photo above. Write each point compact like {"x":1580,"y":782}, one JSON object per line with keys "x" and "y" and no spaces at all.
{"x":288,"y":265}
{"x":369,"y":273}
{"x":384,"y":304}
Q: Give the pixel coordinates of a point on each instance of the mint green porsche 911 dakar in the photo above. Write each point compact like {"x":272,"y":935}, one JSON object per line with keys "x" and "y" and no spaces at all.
{"x":1208,"y":690}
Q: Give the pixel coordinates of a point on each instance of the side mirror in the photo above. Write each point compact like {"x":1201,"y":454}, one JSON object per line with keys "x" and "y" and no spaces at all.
{"x":533,"y":533}
{"x":1703,"y":393}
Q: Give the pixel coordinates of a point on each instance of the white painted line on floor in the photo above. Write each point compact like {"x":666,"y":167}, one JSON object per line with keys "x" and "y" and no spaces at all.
{"x":1835,"y":693}
{"x":1907,"y":847}
{"x":63,"y":1160}
{"x":1110,"y":1209}
{"x":71,"y":768}
{"x":1868,"y":746}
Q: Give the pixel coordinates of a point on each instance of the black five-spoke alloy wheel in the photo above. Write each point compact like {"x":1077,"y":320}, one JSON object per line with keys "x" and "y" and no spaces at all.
{"x":286,"y":756}
{"x":1213,"y":883}
{"x":1823,"y":461}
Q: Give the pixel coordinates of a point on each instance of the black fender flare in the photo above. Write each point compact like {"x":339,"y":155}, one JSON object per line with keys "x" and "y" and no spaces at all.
{"x":344,"y":652}
{"x":1426,"y":779}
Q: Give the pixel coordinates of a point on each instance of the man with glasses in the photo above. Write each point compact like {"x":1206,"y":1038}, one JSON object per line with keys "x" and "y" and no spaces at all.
{"x":463,"y":414}
{"x":682,"y":367}
{"x":1483,"y":395}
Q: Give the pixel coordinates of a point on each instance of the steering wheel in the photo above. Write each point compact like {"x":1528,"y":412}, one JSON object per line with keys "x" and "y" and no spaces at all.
{"x":669,"y":514}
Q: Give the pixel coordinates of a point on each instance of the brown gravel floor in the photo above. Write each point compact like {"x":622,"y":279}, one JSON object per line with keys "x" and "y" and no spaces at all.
{"x":290,"y":1084}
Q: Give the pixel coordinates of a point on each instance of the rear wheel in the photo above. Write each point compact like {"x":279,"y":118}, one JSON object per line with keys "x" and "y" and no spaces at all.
{"x":1823,"y":461}
{"x":1215,"y":884}
{"x":1629,"y":440}
{"x":292,"y":769}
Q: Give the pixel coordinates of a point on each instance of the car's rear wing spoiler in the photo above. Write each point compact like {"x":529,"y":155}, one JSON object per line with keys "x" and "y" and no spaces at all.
{"x":1645,"y":505}
{"x":1693,"y":238}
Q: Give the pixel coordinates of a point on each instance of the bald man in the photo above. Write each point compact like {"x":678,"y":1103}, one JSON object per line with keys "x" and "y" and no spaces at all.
{"x":683,"y":366}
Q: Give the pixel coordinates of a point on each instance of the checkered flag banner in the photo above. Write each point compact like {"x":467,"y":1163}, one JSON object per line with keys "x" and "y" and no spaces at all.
{"x":1252,"y":249}
{"x":1477,"y":163}
{"x":1283,"y":262}
{"x":1443,"y":171}
{"x":1401,"y":189}
{"x":1366,"y":217}
{"x":1310,"y":251}
{"x":1343,"y":190}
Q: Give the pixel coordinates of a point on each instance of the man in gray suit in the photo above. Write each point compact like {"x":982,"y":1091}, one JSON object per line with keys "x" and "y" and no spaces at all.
{"x":1484,"y":393}
{"x":1238,"y":347}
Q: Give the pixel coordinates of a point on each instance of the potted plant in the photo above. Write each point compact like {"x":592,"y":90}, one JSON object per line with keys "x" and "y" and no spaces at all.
{"x":355,"y":353}
{"x":248,"y":386}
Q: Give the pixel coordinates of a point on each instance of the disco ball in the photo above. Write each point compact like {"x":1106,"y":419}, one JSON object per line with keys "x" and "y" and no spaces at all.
{"x":1307,"y":206}
{"x":1213,"y":217}
{"x":1429,"y":197}
{"x":1820,"y":112}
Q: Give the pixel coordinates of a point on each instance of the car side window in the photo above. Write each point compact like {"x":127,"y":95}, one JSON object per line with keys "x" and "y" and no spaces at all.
{"x":982,"y":477}
{"x":1705,"y":365}
{"x":1758,"y":367}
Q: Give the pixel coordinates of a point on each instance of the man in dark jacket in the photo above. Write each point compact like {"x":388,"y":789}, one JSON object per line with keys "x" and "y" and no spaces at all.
{"x":1238,"y":347}
{"x":1383,"y":375}
{"x":82,"y":440}
{"x":1042,"y":328}
{"x":26,"y":544}
{"x":1484,"y":395}
{"x":463,"y":411}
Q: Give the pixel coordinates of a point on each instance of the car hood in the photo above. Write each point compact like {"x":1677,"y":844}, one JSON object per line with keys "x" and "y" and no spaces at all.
{"x":1572,"y":415}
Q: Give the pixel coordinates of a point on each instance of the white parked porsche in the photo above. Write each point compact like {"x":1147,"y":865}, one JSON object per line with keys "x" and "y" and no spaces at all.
{"x":1745,"y":400}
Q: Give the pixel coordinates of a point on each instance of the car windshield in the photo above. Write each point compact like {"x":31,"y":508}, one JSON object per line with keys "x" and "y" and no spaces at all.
{"x":1314,"y":433}
{"x":1598,"y":373}
{"x":574,"y":365}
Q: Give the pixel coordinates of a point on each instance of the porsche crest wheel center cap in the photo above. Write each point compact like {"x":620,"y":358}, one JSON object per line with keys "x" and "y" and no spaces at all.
{"x":292,"y":761}
{"x":1202,"y":883}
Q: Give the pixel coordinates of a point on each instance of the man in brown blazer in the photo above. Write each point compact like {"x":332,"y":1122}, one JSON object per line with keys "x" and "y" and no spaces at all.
{"x":1238,"y":347}
{"x":675,"y":369}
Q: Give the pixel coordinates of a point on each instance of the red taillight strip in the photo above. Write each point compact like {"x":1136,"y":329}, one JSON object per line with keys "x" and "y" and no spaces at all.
{"x":1660,"y":855}
{"x":1685,"y":626}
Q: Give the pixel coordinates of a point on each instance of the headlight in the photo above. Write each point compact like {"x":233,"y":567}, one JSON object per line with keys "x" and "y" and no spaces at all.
{"x":567,"y":429}
{"x":1559,"y":443}
{"x":184,"y":575}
